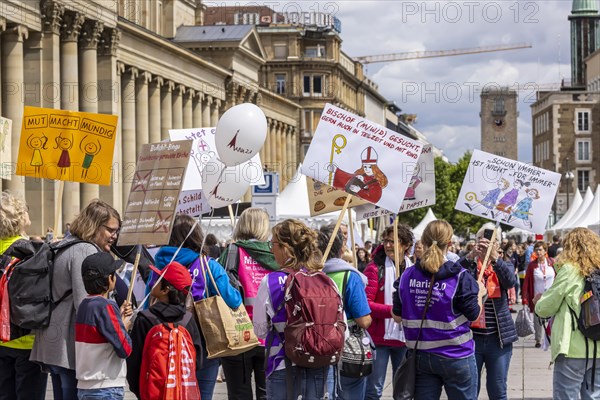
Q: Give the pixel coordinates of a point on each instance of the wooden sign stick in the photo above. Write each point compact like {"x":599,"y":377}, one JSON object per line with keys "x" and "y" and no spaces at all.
{"x":134,"y":272}
{"x":58,"y":207}
{"x":351,"y":229}
{"x":231,"y":216}
{"x":335,"y":229}
{"x":396,"y":246}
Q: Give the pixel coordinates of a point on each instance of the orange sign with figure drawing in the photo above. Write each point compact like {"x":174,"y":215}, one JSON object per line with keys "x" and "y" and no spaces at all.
{"x":67,"y":145}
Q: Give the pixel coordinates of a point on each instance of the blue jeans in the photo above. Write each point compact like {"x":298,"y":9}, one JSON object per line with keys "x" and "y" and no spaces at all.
{"x":457,"y":375}
{"x":352,"y":388}
{"x":571,"y":379}
{"x":64,"y":383}
{"x":114,"y":393}
{"x":497,"y":362}
{"x":376,"y":381}
{"x":207,"y":375}
{"x":308,"y":383}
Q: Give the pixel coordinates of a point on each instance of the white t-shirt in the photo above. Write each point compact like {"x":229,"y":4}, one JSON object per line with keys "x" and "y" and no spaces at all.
{"x":543,"y":276}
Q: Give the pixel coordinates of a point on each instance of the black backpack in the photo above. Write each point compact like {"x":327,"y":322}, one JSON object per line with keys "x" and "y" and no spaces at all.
{"x":30,"y":283}
{"x":588,"y":321}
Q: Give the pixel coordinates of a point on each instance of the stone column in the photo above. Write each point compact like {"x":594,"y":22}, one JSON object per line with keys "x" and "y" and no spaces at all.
{"x":12,"y":92}
{"x":88,"y":90}
{"x":197,"y":110}
{"x":273,"y":134}
{"x":32,"y":96}
{"x":142,"y":135}
{"x":69,"y":99}
{"x":214,"y":113}
{"x":295,"y":144}
{"x":289,"y":168}
{"x":52,"y":13}
{"x":178,"y":106}
{"x":166,"y":110}
{"x":206,"y":111}
{"x":155,"y":110}
{"x":266,"y":150}
{"x":280,"y":152}
{"x":128,"y":136}
{"x":109,"y":102}
{"x":188,"y":98}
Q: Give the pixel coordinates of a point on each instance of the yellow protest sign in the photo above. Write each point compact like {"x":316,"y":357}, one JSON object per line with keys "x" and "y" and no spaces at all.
{"x":67,"y":145}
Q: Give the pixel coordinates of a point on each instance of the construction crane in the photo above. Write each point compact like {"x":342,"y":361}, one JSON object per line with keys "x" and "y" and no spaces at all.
{"x":414,"y":55}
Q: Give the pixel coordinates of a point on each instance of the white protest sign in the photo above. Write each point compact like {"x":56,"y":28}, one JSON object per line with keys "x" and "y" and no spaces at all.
{"x":5,"y":145}
{"x":420,"y":192}
{"x":192,"y":203}
{"x":362,"y":158}
{"x":203,"y":149}
{"x":508,"y":191}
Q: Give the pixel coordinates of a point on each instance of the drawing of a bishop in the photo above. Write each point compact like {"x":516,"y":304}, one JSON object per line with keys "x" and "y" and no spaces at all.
{"x":367,"y":182}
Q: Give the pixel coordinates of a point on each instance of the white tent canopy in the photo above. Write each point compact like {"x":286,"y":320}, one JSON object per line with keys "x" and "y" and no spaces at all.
{"x":591,"y":215}
{"x":418,"y":230}
{"x":577,"y":200}
{"x":587,"y":200}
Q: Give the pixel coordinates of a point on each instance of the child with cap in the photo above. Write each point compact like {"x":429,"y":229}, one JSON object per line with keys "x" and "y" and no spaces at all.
{"x":171,"y":293}
{"x":101,"y":339}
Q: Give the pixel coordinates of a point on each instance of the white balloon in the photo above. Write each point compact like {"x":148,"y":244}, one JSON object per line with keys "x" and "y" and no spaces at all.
{"x":241,"y":133}
{"x":224,"y":185}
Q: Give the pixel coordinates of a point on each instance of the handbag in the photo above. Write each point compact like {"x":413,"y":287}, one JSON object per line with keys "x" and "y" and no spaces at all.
{"x":359,"y":349}
{"x":227,"y":332}
{"x":404,"y":378}
{"x":524,"y":323}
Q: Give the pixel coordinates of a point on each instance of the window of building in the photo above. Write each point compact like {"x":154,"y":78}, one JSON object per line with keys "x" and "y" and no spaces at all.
{"x":317,"y":51}
{"x":583,"y":150}
{"x":313,"y":85}
{"x":583,"y":121}
{"x":280,"y":80}
{"x":583,"y":179}
{"x":280,"y":50}
{"x":499,"y":139}
{"x":311,"y":120}
{"x":499,"y":106}
{"x":500,"y":153}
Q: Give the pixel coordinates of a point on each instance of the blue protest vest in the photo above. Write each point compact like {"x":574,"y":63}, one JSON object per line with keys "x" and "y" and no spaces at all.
{"x":444,"y":332}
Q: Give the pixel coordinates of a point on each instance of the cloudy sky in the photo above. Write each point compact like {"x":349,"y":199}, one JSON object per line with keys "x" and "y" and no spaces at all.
{"x":444,"y":92}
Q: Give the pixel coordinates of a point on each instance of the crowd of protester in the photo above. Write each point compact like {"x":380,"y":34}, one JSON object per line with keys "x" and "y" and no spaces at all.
{"x":431,"y":298}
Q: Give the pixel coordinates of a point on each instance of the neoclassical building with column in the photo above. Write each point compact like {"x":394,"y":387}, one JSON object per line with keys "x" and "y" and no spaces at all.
{"x":119,"y":57}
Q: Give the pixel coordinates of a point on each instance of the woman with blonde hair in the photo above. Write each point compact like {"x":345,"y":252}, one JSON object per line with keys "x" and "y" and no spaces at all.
{"x":445,"y":350}
{"x":295,"y":247}
{"x":247,"y":261}
{"x":20,"y":378}
{"x":573,"y":362}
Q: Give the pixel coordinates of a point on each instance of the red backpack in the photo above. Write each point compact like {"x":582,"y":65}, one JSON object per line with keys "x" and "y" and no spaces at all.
{"x":314,"y":334}
{"x":168,"y":370}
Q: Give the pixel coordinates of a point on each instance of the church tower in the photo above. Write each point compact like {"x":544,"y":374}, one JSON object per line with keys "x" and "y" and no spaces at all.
{"x":585,"y":32}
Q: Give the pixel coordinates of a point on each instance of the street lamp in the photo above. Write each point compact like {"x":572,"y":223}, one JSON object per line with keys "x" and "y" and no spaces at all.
{"x":568,"y":176}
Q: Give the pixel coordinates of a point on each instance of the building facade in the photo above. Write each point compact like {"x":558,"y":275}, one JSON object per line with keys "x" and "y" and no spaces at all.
{"x":499,"y":117}
{"x":566,"y":123}
{"x":115,"y":58}
{"x":162,"y":65}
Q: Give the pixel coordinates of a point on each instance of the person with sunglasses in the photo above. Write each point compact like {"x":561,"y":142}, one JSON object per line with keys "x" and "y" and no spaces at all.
{"x":95,"y":229}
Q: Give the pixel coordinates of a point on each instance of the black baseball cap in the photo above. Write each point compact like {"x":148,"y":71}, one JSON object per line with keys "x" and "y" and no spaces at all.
{"x":100,"y":264}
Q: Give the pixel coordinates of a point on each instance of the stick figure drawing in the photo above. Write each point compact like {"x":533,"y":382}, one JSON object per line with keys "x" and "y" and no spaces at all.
{"x":91,"y":148}
{"x":65,"y":144}
{"x":37,"y":143}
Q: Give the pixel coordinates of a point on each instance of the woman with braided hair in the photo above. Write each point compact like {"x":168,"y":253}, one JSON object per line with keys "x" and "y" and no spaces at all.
{"x":294,"y":246}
